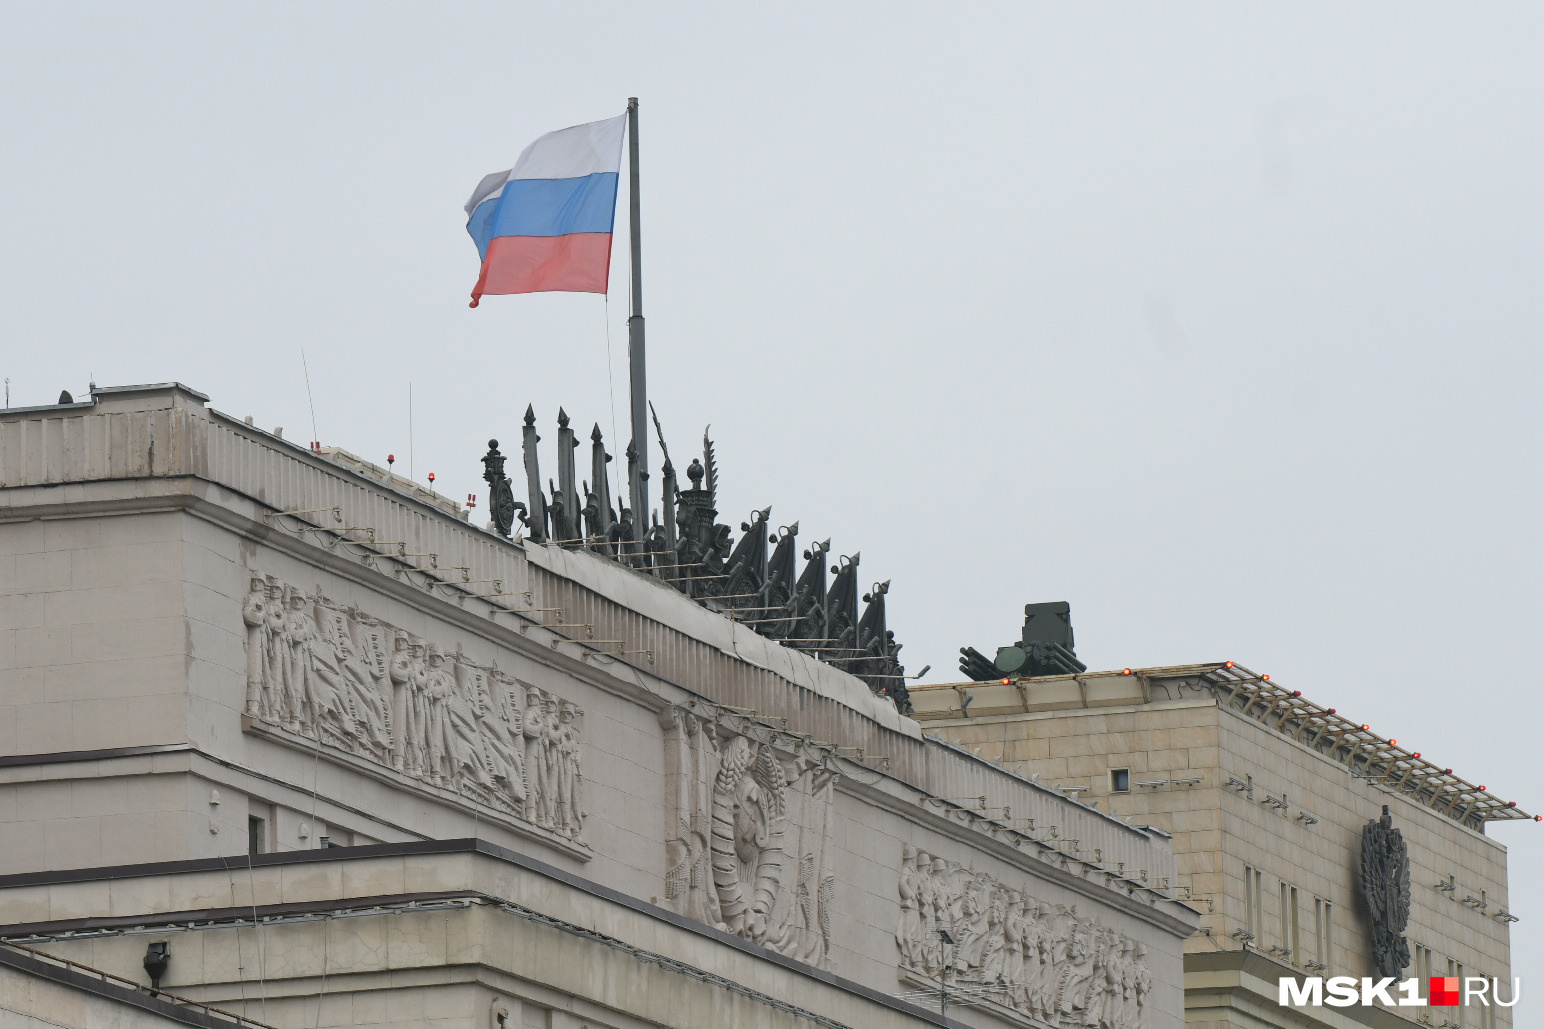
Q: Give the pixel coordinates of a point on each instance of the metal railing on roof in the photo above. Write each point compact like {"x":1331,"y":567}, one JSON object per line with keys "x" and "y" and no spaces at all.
{"x":1371,"y":757}
{"x":1374,"y":758}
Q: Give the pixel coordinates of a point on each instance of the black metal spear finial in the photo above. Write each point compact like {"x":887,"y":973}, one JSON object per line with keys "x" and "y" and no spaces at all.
{"x":600,"y":477}
{"x":568,"y":442}
{"x":536,"y":519}
{"x":668,"y":543}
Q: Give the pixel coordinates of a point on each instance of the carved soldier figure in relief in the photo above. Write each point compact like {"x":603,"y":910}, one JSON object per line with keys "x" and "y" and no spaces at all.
{"x":994,"y":940}
{"x":1118,"y":985}
{"x":410,"y":671}
{"x":969,"y":911}
{"x":400,"y":672}
{"x":1013,"y":943}
{"x":571,"y":778}
{"x":276,"y":659}
{"x":910,"y":925}
{"x":439,"y":687}
{"x":924,"y":944}
{"x":255,"y":616}
{"x":309,"y":698}
{"x":535,"y":730}
{"x":552,"y":772}
{"x":1050,"y":949}
{"x":941,"y":917}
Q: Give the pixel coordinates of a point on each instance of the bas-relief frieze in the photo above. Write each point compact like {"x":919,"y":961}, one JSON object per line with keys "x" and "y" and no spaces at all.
{"x":339,"y":676}
{"x":1001,"y":947}
{"x":748,"y":819}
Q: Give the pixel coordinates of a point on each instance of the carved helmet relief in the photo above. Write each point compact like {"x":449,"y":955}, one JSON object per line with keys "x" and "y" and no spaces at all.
{"x":343,"y":678}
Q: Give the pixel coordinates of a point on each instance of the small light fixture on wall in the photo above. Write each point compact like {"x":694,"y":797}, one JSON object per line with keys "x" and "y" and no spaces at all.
{"x":157,"y":957}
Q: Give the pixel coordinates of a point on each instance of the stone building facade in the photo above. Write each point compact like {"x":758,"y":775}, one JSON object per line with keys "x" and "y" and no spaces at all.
{"x":352,"y":760}
{"x":1267,"y":796}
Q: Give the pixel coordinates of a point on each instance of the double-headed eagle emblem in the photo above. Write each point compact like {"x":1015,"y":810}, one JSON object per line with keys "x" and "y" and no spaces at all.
{"x":1386,"y":889}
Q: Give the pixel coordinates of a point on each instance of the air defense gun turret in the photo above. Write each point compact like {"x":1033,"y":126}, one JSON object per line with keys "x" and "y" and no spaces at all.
{"x":1044,"y":649}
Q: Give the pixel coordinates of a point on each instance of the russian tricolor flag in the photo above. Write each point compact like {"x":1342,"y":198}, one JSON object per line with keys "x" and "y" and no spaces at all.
{"x":546,"y":223}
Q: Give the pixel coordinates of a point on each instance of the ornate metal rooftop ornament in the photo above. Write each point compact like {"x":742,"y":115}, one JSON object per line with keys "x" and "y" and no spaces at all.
{"x":501,"y":497}
{"x":1386,"y":890}
{"x":683,"y":543}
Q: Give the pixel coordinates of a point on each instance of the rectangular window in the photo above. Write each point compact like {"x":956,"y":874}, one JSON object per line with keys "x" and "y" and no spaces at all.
{"x":1259,"y":904}
{"x":1249,"y":918}
{"x":1287,"y":928}
{"x":1421,"y":955}
{"x":1329,"y":934}
{"x":1456,"y":968}
{"x":257,"y":835}
{"x":1291,"y":929}
{"x":1120,"y":780}
{"x":1319,"y":953}
{"x":1254,"y":903}
{"x":1284,"y":927}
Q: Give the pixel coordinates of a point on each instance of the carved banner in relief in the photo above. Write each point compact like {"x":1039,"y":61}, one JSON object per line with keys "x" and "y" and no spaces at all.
{"x":338,"y":675}
{"x":748,"y":830}
{"x":992,"y":945}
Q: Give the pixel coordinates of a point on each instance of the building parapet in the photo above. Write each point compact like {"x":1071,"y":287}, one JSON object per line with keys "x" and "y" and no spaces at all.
{"x":1378,"y":760}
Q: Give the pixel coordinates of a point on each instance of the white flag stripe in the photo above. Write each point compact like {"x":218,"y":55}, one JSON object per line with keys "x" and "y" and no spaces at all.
{"x":573,"y":152}
{"x":490,"y":187}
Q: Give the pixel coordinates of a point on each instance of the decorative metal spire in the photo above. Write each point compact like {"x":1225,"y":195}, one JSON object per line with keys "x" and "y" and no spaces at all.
{"x":684,"y":544}
{"x":537,"y":524}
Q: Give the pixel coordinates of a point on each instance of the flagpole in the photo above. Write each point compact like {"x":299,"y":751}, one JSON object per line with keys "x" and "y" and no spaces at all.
{"x":639,"y":466}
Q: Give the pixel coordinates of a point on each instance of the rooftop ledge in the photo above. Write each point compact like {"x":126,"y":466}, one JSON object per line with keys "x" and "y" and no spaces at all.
{"x":1374,"y":758}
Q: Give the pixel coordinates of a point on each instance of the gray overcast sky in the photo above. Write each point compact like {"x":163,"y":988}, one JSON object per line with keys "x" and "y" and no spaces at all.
{"x":1220,"y":322}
